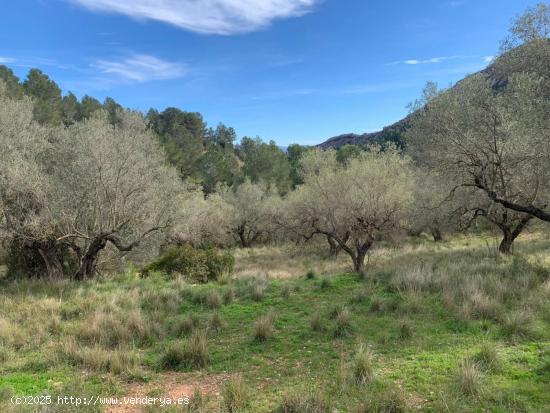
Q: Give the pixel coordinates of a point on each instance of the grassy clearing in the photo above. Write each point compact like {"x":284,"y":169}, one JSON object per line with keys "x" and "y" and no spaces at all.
{"x":446,"y":327}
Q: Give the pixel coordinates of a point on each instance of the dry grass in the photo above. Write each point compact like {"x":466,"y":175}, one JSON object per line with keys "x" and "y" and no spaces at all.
{"x":114,"y":329}
{"x":288,"y":261}
{"x":216,"y":323}
{"x":264,"y":328}
{"x":96,"y":358}
{"x":300,"y":401}
{"x":213,"y":300}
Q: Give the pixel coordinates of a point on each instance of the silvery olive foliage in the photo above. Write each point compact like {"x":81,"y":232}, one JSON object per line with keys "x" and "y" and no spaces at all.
{"x":83,"y":187}
{"x":354,"y":204}
{"x":488,"y":146}
{"x":252,"y":211}
{"x":202,"y":220}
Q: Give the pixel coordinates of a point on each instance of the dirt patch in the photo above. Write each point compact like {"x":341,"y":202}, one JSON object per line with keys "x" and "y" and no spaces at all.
{"x":169,"y":385}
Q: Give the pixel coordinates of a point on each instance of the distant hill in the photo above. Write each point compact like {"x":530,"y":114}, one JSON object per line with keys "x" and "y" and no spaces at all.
{"x":393,"y":133}
{"x":522,"y":59}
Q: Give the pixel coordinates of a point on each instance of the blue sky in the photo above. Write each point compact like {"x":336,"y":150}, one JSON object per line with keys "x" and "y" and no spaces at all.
{"x":296,"y":71}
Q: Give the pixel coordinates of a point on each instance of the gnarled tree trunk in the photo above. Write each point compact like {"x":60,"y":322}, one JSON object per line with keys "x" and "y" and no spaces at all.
{"x":437,"y":235}
{"x":50,"y":255}
{"x":510,"y":234}
{"x":334,"y":248}
{"x":88,"y":261}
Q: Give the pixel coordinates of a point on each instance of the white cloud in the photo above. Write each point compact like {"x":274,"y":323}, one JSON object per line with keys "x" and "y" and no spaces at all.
{"x":4,"y":59}
{"x":141,"y":68}
{"x":432,"y":60}
{"x":206,"y":16}
{"x":437,"y":60}
{"x":488,"y":59}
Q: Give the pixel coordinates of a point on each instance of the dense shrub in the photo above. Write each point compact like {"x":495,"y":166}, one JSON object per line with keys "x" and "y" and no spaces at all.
{"x":23,"y":262}
{"x":200,"y":265}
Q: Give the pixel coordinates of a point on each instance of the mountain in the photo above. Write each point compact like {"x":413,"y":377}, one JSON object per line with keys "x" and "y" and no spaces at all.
{"x":532,"y":57}
{"x":393,"y":133}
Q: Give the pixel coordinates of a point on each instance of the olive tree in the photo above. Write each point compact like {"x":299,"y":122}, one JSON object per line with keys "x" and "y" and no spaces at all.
{"x":532,"y":26}
{"x":431,"y":210}
{"x":250,"y":219}
{"x":81,"y":188}
{"x":112,"y":186}
{"x":489,"y":145}
{"x":202,"y":220}
{"x":353,"y":204}
{"x":24,"y":187}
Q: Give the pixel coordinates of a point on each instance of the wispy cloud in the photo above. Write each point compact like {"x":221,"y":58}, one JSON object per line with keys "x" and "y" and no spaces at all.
{"x":206,"y":16}
{"x":141,"y":68}
{"x":4,"y":59}
{"x":432,"y":60}
{"x":438,"y":60}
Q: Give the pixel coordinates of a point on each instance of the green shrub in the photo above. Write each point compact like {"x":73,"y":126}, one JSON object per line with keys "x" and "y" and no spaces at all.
{"x":24,"y":262}
{"x":405,"y":330}
{"x":310,"y":275}
{"x":201,"y":265}
{"x":325,"y":283}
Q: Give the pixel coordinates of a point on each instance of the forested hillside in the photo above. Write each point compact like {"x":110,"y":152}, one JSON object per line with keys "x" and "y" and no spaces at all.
{"x":206,"y":155}
{"x":521,"y":59}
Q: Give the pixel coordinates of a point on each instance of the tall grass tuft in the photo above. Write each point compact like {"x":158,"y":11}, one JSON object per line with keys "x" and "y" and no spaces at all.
{"x":299,"y":401}
{"x":216,"y":323}
{"x":362,"y":366}
{"x":343,"y":326}
{"x":190,"y":354}
{"x":487,"y":358}
{"x":264,"y":328}
{"x":468,"y":379}
{"x":213,"y":300}
{"x":235,"y":395}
